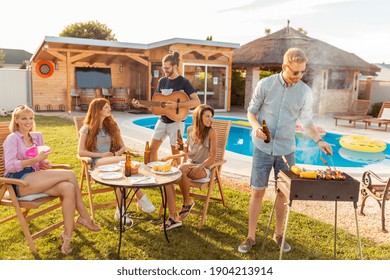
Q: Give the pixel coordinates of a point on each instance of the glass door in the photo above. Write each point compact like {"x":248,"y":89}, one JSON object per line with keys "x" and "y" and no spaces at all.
{"x":210,"y":83}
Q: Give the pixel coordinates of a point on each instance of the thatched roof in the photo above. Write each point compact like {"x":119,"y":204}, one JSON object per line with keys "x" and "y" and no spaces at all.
{"x":267,"y":53}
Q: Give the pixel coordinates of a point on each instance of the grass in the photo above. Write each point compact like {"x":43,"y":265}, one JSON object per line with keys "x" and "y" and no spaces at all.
{"x":217,"y":240}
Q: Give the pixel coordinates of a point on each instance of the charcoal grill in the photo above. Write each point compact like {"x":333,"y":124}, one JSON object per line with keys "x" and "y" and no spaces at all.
{"x":296,"y":188}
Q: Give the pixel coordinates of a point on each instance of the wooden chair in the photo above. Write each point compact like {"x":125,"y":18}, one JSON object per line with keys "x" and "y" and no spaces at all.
{"x":23,"y":205}
{"x":381,"y":119}
{"x":357,"y":112}
{"x":85,"y":176}
{"x":202,"y":191}
{"x":377,"y":188}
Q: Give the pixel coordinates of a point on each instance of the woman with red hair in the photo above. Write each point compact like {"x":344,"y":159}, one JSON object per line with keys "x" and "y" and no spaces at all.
{"x":101,"y":140}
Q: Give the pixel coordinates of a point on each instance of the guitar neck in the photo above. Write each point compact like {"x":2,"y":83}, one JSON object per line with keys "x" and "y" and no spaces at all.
{"x":150,"y":103}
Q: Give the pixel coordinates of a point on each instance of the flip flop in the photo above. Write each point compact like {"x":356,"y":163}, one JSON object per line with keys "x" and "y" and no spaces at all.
{"x":185,"y":211}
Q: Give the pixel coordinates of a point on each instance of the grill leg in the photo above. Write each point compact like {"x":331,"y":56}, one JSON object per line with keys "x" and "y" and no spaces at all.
{"x":335,"y":230}
{"x":285,"y":231}
{"x":269,"y":224}
{"x":357,"y":233}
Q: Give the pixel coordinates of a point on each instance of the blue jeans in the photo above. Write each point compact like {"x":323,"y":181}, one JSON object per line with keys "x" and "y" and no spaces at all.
{"x":19,"y":175}
{"x":262,"y":165}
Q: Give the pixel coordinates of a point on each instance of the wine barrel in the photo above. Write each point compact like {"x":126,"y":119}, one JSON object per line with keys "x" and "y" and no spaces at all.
{"x":86,"y":96}
{"x":120,"y":99}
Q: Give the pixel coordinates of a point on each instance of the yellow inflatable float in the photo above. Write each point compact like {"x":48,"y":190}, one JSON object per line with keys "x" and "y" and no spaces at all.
{"x":241,"y":123}
{"x":362,"y":143}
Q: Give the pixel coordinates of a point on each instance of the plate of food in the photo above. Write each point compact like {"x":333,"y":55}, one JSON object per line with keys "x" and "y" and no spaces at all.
{"x":108,"y":168}
{"x":110,"y":175}
{"x":156,"y":163}
{"x":168,"y":172}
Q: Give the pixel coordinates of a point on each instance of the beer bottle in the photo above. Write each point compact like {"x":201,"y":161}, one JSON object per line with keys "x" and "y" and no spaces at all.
{"x":267,"y":132}
{"x":147,"y":153}
{"x":128,"y":164}
{"x":179,"y":140}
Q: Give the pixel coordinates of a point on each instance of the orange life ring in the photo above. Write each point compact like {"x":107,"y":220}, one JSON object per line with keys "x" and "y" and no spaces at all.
{"x":44,"y":68}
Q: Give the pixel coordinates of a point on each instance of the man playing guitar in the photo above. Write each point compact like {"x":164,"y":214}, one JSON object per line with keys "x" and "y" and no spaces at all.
{"x":171,"y":83}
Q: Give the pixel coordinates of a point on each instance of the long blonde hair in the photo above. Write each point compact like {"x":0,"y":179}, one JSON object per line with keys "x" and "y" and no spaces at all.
{"x":20,"y":111}
{"x":92,"y":119}
{"x":199,"y":130}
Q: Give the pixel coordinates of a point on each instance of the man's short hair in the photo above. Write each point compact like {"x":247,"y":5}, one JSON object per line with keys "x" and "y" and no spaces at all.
{"x":294,"y":55}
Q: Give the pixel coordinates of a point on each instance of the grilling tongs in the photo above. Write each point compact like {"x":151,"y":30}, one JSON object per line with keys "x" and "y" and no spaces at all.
{"x":326,"y":163}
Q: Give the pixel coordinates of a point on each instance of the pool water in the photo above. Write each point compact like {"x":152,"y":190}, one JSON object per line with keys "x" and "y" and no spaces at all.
{"x":307,"y":152}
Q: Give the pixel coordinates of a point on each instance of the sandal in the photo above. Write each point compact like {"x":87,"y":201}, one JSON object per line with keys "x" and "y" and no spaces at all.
{"x":89,"y":224}
{"x":185,"y":210}
{"x":171,"y":223}
{"x":65,"y":248}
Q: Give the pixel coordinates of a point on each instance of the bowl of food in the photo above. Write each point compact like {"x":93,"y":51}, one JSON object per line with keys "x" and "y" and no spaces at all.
{"x":134,"y":166}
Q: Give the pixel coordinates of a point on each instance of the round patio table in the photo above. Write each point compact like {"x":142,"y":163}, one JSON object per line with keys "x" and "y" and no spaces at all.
{"x":126,"y":185}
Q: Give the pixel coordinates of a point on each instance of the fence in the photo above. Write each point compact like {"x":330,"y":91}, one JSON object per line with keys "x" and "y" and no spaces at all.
{"x":15,"y":88}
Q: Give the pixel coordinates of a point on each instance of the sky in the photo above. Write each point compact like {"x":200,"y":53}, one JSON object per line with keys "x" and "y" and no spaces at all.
{"x":361,"y":27}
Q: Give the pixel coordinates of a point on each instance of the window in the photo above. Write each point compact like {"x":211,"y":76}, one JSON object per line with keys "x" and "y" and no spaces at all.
{"x":336,"y":79}
{"x":91,"y":77}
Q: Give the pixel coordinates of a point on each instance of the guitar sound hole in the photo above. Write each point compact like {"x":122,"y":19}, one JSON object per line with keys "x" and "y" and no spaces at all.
{"x":163,"y":104}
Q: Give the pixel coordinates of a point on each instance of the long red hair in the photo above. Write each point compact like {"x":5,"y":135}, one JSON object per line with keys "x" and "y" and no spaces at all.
{"x":92,"y":119}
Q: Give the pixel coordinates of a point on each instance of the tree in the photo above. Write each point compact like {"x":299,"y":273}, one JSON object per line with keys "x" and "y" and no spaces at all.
{"x":2,"y":58}
{"x":209,"y":38}
{"x":89,"y":30}
{"x":300,"y":29}
{"x":267,"y":31}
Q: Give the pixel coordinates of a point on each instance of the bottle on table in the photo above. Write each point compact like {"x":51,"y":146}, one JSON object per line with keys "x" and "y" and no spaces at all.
{"x":267,"y":132}
{"x":128,"y":164}
{"x":147,"y":153}
{"x":180,"y":141}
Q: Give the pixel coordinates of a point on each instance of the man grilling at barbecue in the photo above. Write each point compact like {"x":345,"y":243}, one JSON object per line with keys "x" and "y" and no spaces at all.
{"x":280,"y":100}
{"x":172,"y":82}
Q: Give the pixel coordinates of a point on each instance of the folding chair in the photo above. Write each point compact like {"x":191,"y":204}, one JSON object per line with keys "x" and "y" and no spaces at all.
{"x":23,"y":205}
{"x":202,"y":190}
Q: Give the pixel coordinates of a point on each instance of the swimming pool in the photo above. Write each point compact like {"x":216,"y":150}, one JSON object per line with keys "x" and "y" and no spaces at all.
{"x":307,"y":152}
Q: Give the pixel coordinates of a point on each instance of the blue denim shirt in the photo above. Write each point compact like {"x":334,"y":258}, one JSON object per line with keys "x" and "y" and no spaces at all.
{"x":280,"y":106}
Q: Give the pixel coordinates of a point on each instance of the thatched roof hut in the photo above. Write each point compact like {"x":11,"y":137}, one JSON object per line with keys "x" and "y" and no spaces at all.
{"x":267,"y":52}
{"x":333,"y":74}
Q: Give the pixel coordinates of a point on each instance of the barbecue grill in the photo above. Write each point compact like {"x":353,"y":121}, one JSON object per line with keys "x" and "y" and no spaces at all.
{"x":296,"y":188}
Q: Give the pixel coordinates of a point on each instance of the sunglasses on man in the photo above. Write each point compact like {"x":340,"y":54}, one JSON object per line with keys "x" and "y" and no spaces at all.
{"x":295,"y":73}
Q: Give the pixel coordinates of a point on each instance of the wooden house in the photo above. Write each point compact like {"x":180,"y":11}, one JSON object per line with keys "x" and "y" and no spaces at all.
{"x":84,"y":67}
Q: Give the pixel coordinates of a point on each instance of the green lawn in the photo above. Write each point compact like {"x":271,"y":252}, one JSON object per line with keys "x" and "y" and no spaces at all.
{"x":217,"y":240}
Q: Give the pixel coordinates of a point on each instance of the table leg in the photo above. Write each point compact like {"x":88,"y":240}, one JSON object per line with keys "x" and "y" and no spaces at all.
{"x":285,"y":231}
{"x":164,"y":203}
{"x":122,"y":213}
{"x":121,"y":203}
{"x":335,"y":230}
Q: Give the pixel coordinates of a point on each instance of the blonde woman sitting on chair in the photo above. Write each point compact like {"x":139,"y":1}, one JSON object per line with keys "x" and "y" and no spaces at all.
{"x":37,"y":171}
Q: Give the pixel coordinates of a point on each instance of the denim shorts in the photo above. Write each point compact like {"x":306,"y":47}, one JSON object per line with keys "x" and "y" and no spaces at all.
{"x":94,"y":161}
{"x":262,"y":164}
{"x":19,"y":175}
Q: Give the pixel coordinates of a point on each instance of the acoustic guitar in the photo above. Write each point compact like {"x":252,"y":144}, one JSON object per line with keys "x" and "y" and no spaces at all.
{"x":159,"y":101}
